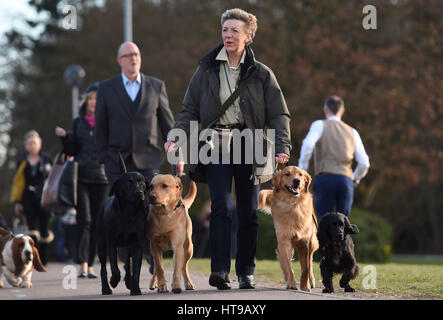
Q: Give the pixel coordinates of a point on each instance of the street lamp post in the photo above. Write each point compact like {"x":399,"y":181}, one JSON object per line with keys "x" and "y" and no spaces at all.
{"x":74,"y":76}
{"x":127,"y":20}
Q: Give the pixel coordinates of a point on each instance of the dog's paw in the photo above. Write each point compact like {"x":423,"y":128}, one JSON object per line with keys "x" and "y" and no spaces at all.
{"x":162,"y":288}
{"x":136,"y":292}
{"x":115,"y":279}
{"x":177,"y":290}
{"x":328,"y":290}
{"x":128,"y":282}
{"x":153,"y":284}
{"x":306,"y":288}
{"x":106,"y":291}
{"x":189,"y":286}
{"x":26,"y":284}
{"x":291,"y":287}
{"x":348,"y":288}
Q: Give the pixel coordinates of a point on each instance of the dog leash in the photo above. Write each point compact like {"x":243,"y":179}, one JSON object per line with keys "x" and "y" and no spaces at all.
{"x":122,"y":162}
{"x":315,"y":221}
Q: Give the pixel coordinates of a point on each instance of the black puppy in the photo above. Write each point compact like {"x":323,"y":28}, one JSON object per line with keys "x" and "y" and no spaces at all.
{"x":337,"y":250}
{"x":121,"y":224}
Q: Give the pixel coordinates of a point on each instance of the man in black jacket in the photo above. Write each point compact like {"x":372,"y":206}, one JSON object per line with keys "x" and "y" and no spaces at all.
{"x":131,"y":107}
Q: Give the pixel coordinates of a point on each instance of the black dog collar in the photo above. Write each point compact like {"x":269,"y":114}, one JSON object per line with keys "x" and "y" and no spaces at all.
{"x":179,"y":204}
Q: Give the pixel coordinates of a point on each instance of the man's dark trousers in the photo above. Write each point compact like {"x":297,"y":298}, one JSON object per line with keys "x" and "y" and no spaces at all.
{"x":333,"y":193}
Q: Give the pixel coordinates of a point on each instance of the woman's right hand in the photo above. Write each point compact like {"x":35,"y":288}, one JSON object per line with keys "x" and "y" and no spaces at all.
{"x":59,"y":131}
{"x":18,"y":209}
{"x":170,"y":146}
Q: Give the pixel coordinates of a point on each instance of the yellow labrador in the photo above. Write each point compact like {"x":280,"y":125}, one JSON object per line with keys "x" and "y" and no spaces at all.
{"x":169,"y":227}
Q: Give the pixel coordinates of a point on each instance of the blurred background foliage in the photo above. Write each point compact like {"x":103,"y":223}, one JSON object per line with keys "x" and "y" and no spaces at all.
{"x":391,"y":80}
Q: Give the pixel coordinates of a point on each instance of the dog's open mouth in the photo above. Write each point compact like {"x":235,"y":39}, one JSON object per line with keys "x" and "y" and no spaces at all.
{"x":293,"y":191}
{"x":158,"y":204}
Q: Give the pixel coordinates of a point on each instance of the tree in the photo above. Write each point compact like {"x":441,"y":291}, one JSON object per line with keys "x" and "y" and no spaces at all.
{"x":390,"y":79}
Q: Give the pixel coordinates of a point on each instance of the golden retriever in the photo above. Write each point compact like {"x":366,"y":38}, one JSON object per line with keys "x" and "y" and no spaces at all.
{"x":294,"y":221}
{"x":169,"y":227}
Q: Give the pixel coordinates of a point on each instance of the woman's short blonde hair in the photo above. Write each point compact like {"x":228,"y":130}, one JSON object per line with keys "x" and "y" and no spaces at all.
{"x":238,"y":14}
{"x":31,"y":133}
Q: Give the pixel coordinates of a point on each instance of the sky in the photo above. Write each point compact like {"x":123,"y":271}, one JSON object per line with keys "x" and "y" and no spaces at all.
{"x":13,"y":13}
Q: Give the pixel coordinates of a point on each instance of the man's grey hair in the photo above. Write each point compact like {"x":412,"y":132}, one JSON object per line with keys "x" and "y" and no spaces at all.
{"x":238,"y":14}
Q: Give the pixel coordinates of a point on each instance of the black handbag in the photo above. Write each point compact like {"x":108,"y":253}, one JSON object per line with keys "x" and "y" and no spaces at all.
{"x":60,"y":188}
{"x":196,"y":171}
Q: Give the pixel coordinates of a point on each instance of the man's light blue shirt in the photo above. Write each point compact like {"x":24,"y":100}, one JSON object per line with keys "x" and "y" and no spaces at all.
{"x":132,"y":88}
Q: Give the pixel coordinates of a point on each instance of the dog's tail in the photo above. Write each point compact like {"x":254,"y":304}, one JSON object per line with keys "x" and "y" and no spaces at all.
{"x":264,"y":201}
{"x":190,"y":197}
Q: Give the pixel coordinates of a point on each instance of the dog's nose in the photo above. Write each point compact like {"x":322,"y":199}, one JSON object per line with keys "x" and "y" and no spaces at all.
{"x":28,"y":254}
{"x":296,"y":182}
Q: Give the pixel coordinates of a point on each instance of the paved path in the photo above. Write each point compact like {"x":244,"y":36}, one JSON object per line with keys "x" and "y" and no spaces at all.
{"x":57,"y":284}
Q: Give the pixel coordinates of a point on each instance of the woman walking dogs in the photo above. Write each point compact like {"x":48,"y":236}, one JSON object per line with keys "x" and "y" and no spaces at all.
{"x":260,"y":105}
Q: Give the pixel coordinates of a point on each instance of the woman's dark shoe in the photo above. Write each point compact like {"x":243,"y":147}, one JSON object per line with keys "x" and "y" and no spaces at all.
{"x":220,"y":280}
{"x":246,"y":282}
{"x":92,"y":276}
{"x":82,"y":275}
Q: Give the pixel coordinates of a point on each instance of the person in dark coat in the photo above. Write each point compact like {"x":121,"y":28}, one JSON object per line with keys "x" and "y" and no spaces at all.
{"x":92,"y":180}
{"x":261,"y":104}
{"x":132,"y":110}
{"x":33,"y":168}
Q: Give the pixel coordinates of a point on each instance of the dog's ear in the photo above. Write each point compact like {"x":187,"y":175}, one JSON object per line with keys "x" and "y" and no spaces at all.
{"x":308,"y":181}
{"x":179,"y":184}
{"x":38,"y":265}
{"x":323,"y":233}
{"x":350,"y":228}
{"x":276,"y":180}
{"x":114,"y":187}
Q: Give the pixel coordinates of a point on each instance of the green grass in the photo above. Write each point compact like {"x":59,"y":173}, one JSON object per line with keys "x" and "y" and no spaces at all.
{"x":397,"y":278}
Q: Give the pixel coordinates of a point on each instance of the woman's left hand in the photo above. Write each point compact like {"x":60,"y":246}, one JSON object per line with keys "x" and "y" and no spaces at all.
{"x":281,"y":158}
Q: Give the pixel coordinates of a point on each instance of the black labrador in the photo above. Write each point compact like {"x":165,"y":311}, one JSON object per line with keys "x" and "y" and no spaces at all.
{"x":121,"y":224}
{"x":337,"y":250}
